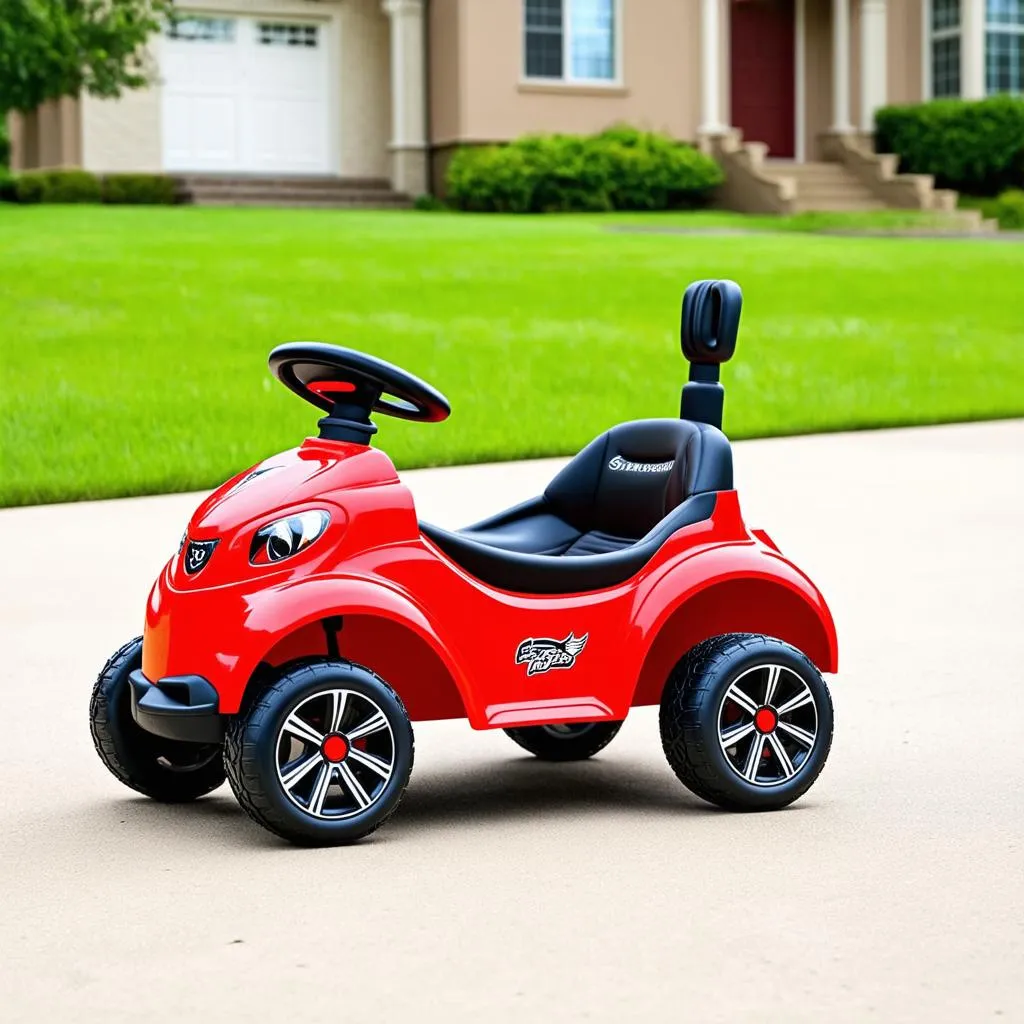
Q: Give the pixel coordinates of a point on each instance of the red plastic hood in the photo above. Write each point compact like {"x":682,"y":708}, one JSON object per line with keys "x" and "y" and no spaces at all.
{"x":312,"y":472}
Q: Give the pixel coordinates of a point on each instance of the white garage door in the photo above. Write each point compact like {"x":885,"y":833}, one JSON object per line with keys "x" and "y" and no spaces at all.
{"x":245,"y":94}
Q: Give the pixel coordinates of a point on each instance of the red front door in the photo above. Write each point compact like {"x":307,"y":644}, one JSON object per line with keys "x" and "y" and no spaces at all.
{"x":763,"y":72}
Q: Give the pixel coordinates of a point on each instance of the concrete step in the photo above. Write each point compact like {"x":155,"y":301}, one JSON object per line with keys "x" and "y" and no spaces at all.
{"x":362,"y":200}
{"x":838,"y":205}
{"x":289,"y":181}
{"x":288,"y":190}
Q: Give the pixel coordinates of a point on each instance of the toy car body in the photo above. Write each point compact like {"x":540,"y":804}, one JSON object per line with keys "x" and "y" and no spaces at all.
{"x":309,"y":616}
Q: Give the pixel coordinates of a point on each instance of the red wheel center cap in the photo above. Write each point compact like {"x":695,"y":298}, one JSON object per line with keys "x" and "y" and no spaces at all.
{"x":335,"y":748}
{"x":766,"y":720}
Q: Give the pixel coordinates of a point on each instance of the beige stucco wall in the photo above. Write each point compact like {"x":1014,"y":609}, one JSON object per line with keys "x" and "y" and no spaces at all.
{"x":48,"y":137}
{"x":480,"y":95}
{"x":123,"y":134}
{"x":364,"y":124}
{"x":907,"y":51}
{"x":818,"y":74}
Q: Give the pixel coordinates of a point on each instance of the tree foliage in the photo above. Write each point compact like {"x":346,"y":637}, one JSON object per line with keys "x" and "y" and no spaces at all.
{"x":55,"y":48}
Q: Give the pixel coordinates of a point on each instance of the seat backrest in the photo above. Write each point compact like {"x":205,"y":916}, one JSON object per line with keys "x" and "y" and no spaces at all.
{"x":628,"y":479}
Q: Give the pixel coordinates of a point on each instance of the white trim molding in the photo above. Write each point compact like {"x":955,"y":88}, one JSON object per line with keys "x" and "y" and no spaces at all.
{"x":711,"y":69}
{"x":874,"y":60}
{"x":800,"y":61}
{"x":841,"y":123}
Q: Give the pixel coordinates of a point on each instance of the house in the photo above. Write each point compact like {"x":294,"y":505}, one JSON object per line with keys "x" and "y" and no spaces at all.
{"x":364,"y":92}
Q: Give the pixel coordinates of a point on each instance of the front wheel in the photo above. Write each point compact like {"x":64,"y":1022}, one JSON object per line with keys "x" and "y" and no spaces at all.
{"x":323,"y":756}
{"x":170,"y":771}
{"x":570,"y":741}
{"x":746,"y":722}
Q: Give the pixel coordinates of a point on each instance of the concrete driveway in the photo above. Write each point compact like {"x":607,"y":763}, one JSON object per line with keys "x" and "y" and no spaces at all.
{"x":509,"y":890}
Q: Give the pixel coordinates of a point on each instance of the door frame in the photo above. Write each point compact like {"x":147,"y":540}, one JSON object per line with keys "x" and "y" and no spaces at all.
{"x":799,"y":73}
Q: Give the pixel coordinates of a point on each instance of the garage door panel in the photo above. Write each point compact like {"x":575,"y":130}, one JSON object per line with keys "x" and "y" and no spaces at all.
{"x":286,"y":133}
{"x":246,"y":95}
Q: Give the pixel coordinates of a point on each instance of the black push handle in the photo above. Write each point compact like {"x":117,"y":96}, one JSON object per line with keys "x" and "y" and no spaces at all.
{"x":711,"y":321}
{"x":710,"y":325}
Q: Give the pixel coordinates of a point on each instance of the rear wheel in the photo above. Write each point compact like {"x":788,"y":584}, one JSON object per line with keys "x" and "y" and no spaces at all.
{"x":323,"y":756}
{"x":166,"y":770}
{"x":746,"y":722}
{"x":569,"y":741}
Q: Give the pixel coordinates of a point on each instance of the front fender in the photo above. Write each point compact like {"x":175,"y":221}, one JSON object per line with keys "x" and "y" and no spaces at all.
{"x":731,"y":588}
{"x":281,"y":612}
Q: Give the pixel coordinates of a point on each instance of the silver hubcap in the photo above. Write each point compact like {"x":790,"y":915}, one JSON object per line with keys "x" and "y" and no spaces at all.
{"x":335,"y":754}
{"x":767,"y":725}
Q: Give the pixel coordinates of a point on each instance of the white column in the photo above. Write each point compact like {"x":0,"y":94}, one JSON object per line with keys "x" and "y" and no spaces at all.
{"x":408,"y":96}
{"x":874,"y":61}
{"x":711,"y":68}
{"x":972,"y":53}
{"x":841,"y":67}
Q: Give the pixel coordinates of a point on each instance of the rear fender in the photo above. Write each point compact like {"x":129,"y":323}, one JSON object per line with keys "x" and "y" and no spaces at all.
{"x":742,"y":588}
{"x":380,"y":629}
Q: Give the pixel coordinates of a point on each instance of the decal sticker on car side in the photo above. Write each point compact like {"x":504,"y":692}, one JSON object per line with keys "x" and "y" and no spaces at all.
{"x":542,"y":654}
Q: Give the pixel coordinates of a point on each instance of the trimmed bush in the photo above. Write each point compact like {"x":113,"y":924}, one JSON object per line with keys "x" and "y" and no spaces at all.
{"x":139,"y":190}
{"x":619,"y":169}
{"x":57,"y":187}
{"x":1009,"y":210}
{"x":8,"y":189}
{"x":976,"y":146}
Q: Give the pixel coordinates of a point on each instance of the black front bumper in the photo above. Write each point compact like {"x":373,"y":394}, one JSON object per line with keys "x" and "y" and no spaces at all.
{"x":177,"y":708}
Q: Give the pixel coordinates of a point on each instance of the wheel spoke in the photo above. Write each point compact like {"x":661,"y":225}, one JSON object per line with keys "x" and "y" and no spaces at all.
{"x":339,"y":699}
{"x":754,"y":758}
{"x":299,"y":772}
{"x":803,"y":697}
{"x":374,"y":723}
{"x":297,"y":727}
{"x":361,"y":796}
{"x":774,"y":671}
{"x":320,"y":787}
{"x":801,"y":735}
{"x":740,"y":732}
{"x":737,"y":696}
{"x":374,"y":763}
{"x":780,"y":752}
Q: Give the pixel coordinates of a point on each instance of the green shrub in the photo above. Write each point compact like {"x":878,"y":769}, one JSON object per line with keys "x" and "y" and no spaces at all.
{"x":619,"y":169}
{"x":139,"y":189}
{"x":8,"y":188}
{"x":426,"y":203}
{"x":5,"y":145}
{"x":57,"y":187}
{"x":976,"y":146}
{"x":1009,"y":210}
{"x":29,"y":187}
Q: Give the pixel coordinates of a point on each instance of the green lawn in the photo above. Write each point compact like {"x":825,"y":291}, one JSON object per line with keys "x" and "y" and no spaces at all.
{"x":133,"y":342}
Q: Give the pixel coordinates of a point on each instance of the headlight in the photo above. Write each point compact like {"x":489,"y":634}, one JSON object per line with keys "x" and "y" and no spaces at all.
{"x":286,"y":537}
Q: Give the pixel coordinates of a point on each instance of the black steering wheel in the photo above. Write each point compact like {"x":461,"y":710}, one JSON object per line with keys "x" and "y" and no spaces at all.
{"x":349,"y":385}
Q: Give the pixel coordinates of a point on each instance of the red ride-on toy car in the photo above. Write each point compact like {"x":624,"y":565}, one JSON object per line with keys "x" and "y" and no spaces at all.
{"x":309,"y":618}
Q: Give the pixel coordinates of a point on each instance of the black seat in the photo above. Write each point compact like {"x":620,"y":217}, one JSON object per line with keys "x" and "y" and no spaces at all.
{"x":604,"y":516}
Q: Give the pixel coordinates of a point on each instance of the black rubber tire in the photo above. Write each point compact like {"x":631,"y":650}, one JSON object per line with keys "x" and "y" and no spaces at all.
{"x":250,"y":754}
{"x":170,"y":771}
{"x":689,"y":721}
{"x":585,"y":740}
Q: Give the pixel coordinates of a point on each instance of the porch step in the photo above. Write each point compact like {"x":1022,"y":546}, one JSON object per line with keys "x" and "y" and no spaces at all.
{"x":287,"y":190}
{"x":826,"y":187}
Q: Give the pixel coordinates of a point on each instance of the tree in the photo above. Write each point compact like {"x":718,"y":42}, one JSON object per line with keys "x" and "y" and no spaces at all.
{"x":55,"y":48}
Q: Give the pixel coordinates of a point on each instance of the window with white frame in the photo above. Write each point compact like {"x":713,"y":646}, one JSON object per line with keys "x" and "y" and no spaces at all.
{"x":570,"y":40}
{"x":946,"y":30}
{"x":1004,"y":46}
